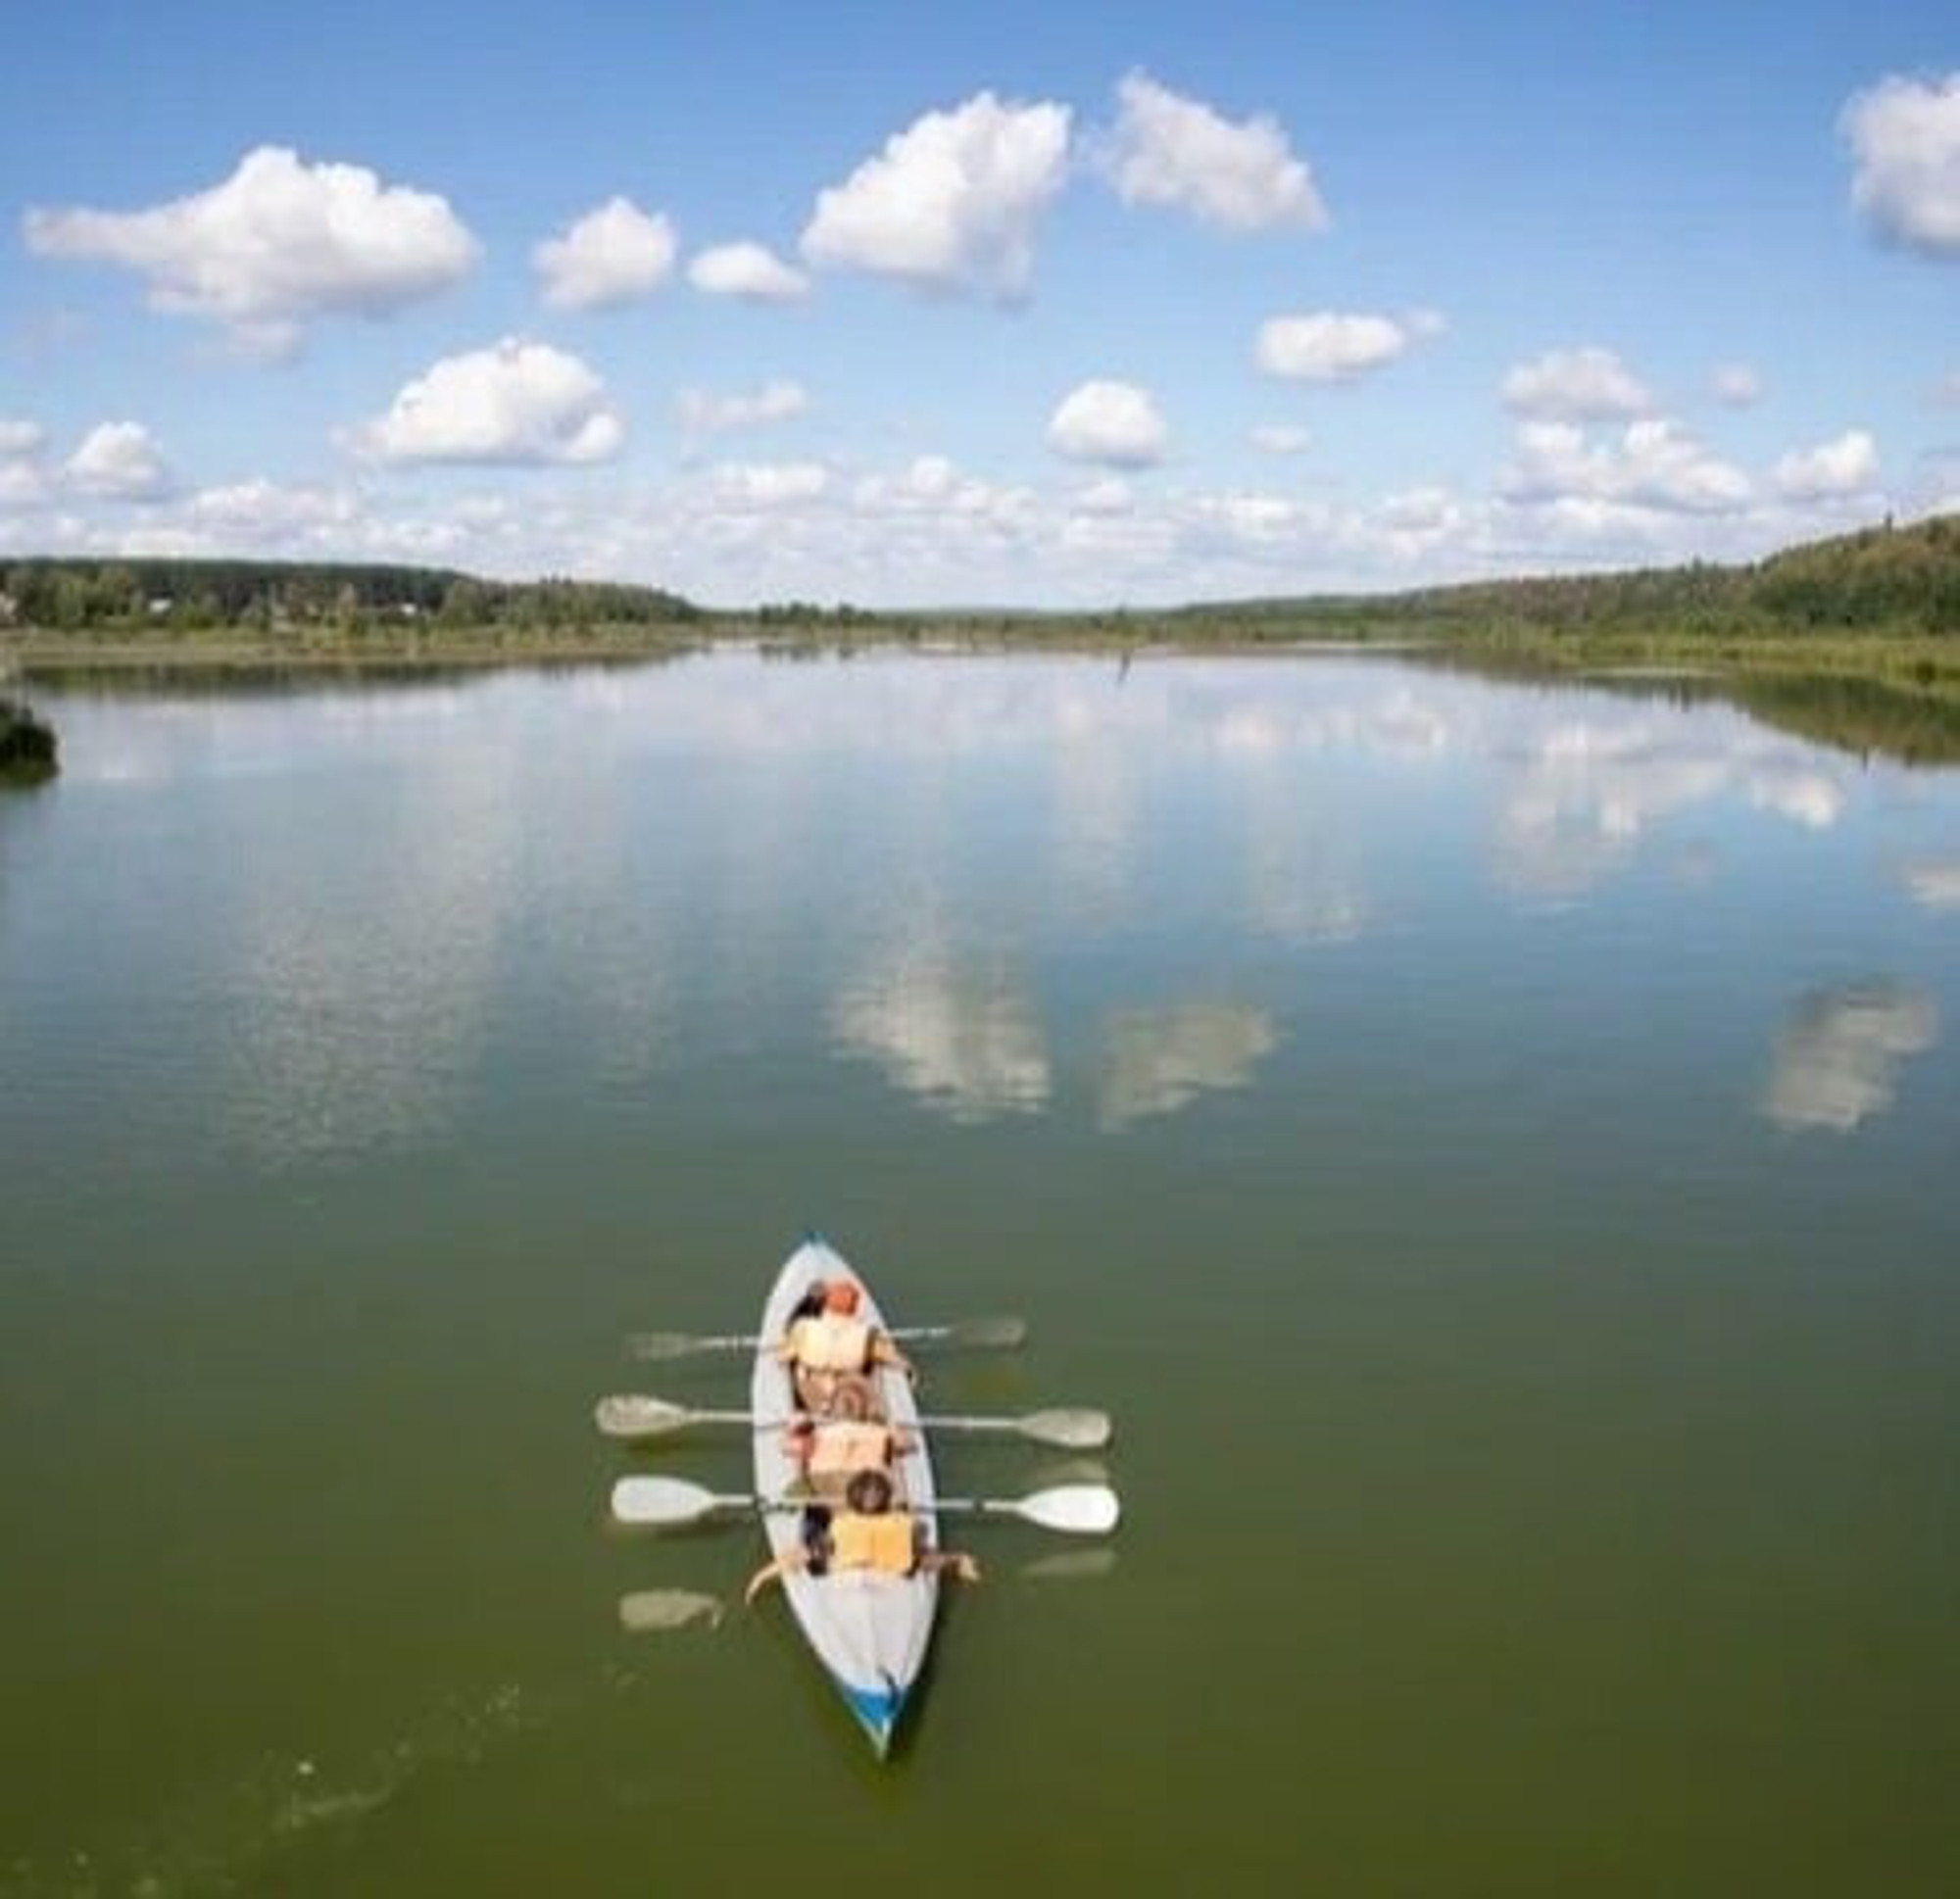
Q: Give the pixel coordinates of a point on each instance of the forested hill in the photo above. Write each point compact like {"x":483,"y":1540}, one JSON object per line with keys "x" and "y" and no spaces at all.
{"x":271,"y":597}
{"x":1891,"y":580}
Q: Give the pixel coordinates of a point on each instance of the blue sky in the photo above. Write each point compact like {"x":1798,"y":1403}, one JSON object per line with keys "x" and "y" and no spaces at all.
{"x":1051,"y":305}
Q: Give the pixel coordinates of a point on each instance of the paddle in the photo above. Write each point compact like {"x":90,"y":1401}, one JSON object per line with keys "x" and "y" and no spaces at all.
{"x":1005,"y":1332}
{"x":632,"y":1418}
{"x":669,"y":1502}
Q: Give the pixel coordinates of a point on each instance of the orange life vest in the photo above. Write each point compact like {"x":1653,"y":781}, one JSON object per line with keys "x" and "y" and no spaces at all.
{"x":844,"y":1446}
{"x":881,"y":1543}
{"x":831,"y":1342}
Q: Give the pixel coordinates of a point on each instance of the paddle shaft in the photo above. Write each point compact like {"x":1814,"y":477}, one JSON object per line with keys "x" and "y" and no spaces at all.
{"x":1004,"y":1332}
{"x":777,"y":1506}
{"x":1089,"y":1509}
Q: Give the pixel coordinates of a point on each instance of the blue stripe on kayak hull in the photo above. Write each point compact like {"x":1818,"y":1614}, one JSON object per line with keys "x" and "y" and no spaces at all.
{"x":879,"y":1709}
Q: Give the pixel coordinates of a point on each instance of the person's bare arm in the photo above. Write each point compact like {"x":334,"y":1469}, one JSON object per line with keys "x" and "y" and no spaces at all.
{"x":786,"y":1564}
{"x":885,"y":1352}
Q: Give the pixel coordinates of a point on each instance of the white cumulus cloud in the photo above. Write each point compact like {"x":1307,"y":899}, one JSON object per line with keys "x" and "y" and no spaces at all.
{"x":931,"y":477}
{"x":1169,"y":149}
{"x":19,"y":438}
{"x":516,"y":402}
{"x":1336,"y":345}
{"x":747,"y":270}
{"x":951,"y":202}
{"x":1653,"y":463}
{"x":1115,"y":424}
{"x":279,"y":242}
{"x":706,"y":413}
{"x":770,"y":484}
{"x":1582,"y":385}
{"x":1849,"y":466}
{"x":616,"y":254}
{"x":1904,"y":135}
{"x":1110,"y":495}
{"x":1736,"y":385}
{"x":23,"y":484}
{"x":119,"y":461}
{"x":263,"y":513}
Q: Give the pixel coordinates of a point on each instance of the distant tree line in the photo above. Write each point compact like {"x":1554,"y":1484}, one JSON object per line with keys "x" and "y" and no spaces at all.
{"x":1883,"y":579}
{"x":271,"y":597}
{"x":807,"y":612}
{"x":1896,"y":579}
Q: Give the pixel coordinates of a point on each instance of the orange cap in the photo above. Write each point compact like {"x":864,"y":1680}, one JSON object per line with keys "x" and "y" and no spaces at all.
{"x":840,"y":1298}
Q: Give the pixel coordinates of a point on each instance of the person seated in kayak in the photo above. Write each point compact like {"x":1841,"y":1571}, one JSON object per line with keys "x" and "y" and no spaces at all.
{"x":866,"y":1534}
{"x":828,"y":1453}
{"x":829,"y":1352}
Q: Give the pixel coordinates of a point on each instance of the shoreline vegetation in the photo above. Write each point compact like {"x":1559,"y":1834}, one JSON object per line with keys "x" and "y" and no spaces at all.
{"x":28,"y":753}
{"x":1854,"y":641}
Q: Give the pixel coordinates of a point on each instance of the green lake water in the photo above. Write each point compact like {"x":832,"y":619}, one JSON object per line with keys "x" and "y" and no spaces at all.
{"x":1495,"y":1150}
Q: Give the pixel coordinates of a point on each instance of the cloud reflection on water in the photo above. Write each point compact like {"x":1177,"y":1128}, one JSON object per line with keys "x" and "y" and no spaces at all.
{"x":1839,"y":1056}
{"x":1156,"y":1061}
{"x":1590,"y":790}
{"x":962,"y":1038}
{"x":665,"y":836}
{"x":1935,"y":883}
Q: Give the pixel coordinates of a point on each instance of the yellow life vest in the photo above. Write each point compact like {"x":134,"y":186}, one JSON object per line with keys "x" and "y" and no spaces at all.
{"x":846,"y":1447}
{"x":881,"y":1543}
{"x":831,"y":1342}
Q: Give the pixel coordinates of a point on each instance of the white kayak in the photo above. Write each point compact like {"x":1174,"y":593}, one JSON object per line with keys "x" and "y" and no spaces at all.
{"x":870,"y":1632}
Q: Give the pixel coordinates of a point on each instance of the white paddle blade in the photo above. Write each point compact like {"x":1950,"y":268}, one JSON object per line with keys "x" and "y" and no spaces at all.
{"x":650,"y":1612}
{"x":1075,"y":1509}
{"x":1072,"y":1428}
{"x":662,"y":1501}
{"x":631,"y":1418}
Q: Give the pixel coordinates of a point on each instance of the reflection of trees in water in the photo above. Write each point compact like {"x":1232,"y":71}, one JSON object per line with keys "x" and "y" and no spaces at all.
{"x":1839,"y":1056}
{"x":1158,"y":1060}
{"x":1850,"y":713}
{"x":1861,"y":716}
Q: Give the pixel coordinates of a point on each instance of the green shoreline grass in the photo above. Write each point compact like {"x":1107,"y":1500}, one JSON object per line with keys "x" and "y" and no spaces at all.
{"x":1914,"y":661}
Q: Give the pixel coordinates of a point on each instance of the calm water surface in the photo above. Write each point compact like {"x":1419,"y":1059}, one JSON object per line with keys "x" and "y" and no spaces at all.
{"x":1496,"y":1151}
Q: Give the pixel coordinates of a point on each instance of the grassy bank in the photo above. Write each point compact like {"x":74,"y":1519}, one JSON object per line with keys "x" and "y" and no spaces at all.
{"x":46,"y":653}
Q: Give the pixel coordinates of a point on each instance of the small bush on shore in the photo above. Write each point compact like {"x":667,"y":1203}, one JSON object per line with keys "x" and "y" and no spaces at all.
{"x":28,"y":749}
